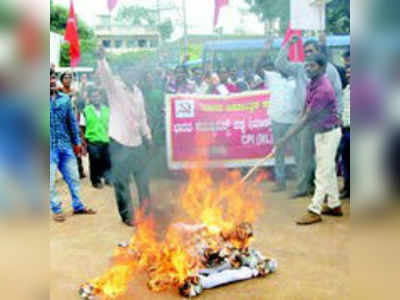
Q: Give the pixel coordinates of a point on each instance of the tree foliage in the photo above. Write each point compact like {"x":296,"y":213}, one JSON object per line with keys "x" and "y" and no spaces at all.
{"x":136,"y":15}
{"x":338,"y":16}
{"x":130,"y":59}
{"x":58,"y":20}
{"x":166,"y":29}
{"x":337,"y":13}
{"x":270,"y":9}
{"x":140,"y":16}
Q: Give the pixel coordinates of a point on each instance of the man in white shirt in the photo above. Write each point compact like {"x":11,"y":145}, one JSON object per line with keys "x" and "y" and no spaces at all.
{"x":128,"y":127}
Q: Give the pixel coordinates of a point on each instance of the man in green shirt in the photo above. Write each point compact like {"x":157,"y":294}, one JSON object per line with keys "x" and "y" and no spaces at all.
{"x":97,"y":117}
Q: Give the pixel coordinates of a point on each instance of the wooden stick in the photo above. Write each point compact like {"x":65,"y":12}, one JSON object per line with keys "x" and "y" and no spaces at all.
{"x":259,"y":164}
{"x":244,"y":179}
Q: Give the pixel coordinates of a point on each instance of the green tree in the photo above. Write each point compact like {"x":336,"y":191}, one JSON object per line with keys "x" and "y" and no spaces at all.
{"x":166,"y":29}
{"x":137,"y":58}
{"x":338,"y":16}
{"x":136,"y":15}
{"x":58,"y":20}
{"x":271,"y":9}
{"x":337,"y":13}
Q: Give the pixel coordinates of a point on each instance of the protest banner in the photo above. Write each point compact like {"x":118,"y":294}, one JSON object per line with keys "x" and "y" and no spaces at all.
{"x":223,"y":131}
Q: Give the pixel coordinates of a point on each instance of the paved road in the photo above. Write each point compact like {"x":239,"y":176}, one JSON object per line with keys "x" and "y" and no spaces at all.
{"x":313,"y":261}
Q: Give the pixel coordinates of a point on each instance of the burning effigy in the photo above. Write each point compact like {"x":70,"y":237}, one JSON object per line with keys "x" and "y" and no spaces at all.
{"x":208,"y":247}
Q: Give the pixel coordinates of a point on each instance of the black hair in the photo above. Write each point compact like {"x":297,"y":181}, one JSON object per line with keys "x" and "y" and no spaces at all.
{"x":346,"y":54}
{"x":318,"y":58}
{"x":63,"y":75}
{"x":313,"y":43}
{"x":52,"y":72}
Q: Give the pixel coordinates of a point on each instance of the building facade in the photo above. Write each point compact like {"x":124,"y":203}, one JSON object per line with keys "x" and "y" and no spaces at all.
{"x":117,"y":38}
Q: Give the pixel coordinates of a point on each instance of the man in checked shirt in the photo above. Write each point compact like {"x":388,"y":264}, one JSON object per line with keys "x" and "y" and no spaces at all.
{"x":128,"y":129}
{"x":65,"y":146}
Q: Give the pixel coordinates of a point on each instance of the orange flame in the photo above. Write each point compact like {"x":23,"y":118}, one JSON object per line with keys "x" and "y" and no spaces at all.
{"x":218,"y":207}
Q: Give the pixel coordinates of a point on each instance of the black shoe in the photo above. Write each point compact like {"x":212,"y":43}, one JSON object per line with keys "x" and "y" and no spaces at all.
{"x":345,"y":194}
{"x":298,"y":195}
{"x":98,"y":185}
{"x":128,"y":223}
{"x":279,"y":188}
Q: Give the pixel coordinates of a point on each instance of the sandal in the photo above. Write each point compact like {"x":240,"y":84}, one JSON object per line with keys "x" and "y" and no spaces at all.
{"x":60,"y":217}
{"x":85,"y":211}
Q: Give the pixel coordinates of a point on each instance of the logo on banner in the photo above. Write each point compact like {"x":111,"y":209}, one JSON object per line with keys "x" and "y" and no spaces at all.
{"x":184,"y":109}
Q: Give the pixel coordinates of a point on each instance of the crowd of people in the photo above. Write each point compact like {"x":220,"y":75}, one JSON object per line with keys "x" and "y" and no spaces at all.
{"x":118,"y":119}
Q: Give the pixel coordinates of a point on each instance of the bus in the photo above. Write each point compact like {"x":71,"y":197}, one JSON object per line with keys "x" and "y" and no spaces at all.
{"x":245,"y":52}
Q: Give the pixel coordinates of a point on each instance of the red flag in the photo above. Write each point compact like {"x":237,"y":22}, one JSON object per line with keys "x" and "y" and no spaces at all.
{"x":71,"y":35}
{"x":218,"y":5}
{"x":296,"y":51}
{"x":112,"y":4}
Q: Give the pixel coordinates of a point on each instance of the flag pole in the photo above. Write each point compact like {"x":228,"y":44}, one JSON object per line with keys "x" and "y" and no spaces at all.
{"x":185,"y":37}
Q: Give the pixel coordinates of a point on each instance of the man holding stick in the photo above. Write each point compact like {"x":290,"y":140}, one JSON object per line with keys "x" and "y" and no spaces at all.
{"x":321,"y":112}
{"x":298,"y":72}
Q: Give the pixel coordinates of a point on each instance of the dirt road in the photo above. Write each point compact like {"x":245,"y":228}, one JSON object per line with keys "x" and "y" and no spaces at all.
{"x":313,"y":261}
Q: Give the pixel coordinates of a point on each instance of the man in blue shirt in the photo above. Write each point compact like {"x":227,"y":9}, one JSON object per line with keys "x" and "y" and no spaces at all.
{"x":64,"y":146}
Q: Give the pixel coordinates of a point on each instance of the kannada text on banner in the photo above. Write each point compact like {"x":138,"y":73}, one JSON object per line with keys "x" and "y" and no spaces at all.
{"x":229,"y":131}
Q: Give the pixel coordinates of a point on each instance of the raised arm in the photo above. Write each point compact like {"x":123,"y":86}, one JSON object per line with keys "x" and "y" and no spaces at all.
{"x":105,"y":75}
{"x":282,"y":62}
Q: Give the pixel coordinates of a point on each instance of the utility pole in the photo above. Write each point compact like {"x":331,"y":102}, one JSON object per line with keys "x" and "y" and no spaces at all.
{"x":185,"y":37}
{"x":159,"y":23}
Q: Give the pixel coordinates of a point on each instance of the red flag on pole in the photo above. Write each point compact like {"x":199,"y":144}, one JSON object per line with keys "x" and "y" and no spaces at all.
{"x":218,"y":5}
{"x":112,"y":4}
{"x":296,"y":51}
{"x":71,"y":35}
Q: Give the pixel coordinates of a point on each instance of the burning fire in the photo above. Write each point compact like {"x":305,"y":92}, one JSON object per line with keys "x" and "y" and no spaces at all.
{"x":220,"y":215}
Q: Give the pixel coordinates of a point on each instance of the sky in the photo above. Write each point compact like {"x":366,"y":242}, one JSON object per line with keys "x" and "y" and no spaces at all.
{"x":200,"y":14}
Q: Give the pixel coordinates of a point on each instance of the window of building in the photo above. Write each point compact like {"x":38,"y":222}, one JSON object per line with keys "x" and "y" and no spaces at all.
{"x":131,"y":44}
{"x":142,"y":43}
{"x":118,"y":43}
{"x":106,"y":43}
